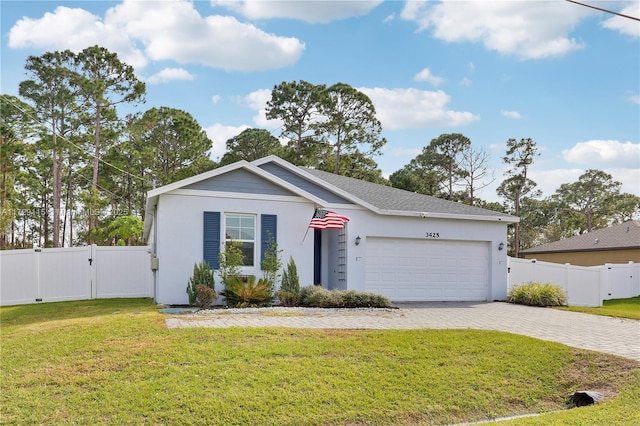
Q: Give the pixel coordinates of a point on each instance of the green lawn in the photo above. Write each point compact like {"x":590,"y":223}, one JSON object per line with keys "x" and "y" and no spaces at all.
{"x":622,"y":308}
{"x":114,"y":362}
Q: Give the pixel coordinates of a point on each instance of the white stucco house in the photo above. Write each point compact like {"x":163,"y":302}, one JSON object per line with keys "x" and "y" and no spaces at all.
{"x":406,"y":246}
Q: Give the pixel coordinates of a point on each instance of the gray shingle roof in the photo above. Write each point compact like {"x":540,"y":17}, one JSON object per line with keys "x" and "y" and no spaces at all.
{"x":388,"y":198}
{"x":623,"y":236}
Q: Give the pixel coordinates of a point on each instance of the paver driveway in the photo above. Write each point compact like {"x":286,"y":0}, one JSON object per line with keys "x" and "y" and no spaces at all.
{"x":599,"y":333}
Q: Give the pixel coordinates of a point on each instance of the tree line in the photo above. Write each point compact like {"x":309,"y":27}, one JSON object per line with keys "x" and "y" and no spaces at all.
{"x":75,"y":170}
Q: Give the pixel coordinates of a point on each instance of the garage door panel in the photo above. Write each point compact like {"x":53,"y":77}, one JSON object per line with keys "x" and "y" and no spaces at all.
{"x":419,"y":277}
{"x":405,"y":277}
{"x":434,"y":294}
{"x":429,"y":270}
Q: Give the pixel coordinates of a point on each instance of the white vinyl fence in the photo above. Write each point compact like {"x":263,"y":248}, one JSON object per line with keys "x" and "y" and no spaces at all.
{"x":74,"y":273}
{"x":584,"y":285}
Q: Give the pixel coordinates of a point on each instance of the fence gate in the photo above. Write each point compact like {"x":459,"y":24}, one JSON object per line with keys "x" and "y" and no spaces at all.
{"x":74,"y":273}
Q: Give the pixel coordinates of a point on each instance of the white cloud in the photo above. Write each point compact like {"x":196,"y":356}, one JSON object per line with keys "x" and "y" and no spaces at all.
{"x":403,"y":152}
{"x":413,"y":108}
{"x":176,"y":31}
{"x":511,"y":114}
{"x":528,"y":29}
{"x":598,"y":154}
{"x":257,"y":101}
{"x":169,"y":74}
{"x":497,"y":147}
{"x":465,"y":82}
{"x":308,"y":11}
{"x":74,"y":29}
{"x":219,"y":134}
{"x":625,"y":25}
{"x":389,"y":18}
{"x":215,"y":99}
{"x":630,"y":179}
{"x":425,"y":75}
{"x":634,"y":99}
{"x":170,"y":30}
{"x":550,"y":180}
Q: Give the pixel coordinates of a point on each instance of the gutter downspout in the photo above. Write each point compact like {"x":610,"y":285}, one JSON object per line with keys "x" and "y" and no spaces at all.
{"x":154,"y":253}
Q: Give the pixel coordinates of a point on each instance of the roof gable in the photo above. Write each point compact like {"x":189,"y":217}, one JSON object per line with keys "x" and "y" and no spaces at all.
{"x":300,"y":181}
{"x":242,"y":181}
{"x":622,"y":236}
{"x":204,"y":181}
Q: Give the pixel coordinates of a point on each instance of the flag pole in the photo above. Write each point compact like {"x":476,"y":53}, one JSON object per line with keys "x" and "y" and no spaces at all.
{"x":305,"y":234}
{"x":307,"y":231}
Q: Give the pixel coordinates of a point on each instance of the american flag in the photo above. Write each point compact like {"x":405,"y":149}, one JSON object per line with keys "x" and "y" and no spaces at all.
{"x":325,"y":219}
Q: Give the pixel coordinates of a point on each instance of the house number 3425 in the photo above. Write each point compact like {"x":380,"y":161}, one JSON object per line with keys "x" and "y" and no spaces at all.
{"x":432,"y":235}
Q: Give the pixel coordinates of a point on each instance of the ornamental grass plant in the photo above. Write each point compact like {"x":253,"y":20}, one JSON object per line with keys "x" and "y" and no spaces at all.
{"x":536,"y":294}
{"x":318,"y":297}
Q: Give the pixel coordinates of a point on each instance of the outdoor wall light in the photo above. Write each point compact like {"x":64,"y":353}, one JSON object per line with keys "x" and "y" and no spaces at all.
{"x":358,"y":239}
{"x":500,"y":246}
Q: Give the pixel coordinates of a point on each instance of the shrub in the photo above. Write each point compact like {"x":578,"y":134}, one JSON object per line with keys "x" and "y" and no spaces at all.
{"x":230,"y":259}
{"x":316,"y":296}
{"x":536,"y":294}
{"x":289,"y":293}
{"x":202,"y":275}
{"x":250,"y":293}
{"x":290,"y":279}
{"x":271,"y":262}
{"x":205,"y":296}
{"x":288,"y":298}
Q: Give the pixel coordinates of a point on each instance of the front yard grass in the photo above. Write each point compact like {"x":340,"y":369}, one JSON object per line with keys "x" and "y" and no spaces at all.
{"x":621,"y":308}
{"x":114,"y":362}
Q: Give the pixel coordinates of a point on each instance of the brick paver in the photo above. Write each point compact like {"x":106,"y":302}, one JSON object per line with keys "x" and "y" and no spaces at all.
{"x":599,"y":333}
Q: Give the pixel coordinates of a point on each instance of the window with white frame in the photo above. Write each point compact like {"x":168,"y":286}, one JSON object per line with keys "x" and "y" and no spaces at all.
{"x":241,"y":229}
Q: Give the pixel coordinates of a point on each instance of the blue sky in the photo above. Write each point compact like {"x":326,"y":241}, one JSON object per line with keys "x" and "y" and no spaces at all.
{"x":564,"y":75}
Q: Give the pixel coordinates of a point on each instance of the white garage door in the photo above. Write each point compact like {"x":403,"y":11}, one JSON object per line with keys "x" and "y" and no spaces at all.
{"x":427,"y":270}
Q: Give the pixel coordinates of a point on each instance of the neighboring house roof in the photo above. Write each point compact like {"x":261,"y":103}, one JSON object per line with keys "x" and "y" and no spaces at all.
{"x":377,"y":198}
{"x":624,"y":236}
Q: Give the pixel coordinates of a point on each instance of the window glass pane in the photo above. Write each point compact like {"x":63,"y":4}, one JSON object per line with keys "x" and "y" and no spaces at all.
{"x":247,"y":250}
{"x":233,"y":227}
{"x":247,"y":253}
{"x":246,"y":221}
{"x":246,"y":234}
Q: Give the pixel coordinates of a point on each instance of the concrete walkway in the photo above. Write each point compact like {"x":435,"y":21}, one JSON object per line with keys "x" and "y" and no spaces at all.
{"x":599,"y":333}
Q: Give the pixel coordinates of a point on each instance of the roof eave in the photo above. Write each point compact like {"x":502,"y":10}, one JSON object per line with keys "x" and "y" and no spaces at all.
{"x":433,"y":215}
{"x":148,"y":217}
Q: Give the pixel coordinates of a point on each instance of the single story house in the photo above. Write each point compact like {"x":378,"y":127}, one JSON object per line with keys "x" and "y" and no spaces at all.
{"x":615,"y":244}
{"x":407,"y":246}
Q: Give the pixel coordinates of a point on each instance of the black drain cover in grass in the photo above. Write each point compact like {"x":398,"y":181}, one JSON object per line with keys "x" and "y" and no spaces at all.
{"x":584,"y":398}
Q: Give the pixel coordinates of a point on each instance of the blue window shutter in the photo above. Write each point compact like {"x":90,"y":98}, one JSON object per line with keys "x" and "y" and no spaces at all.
{"x":211,"y":239}
{"x":268,"y":227}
